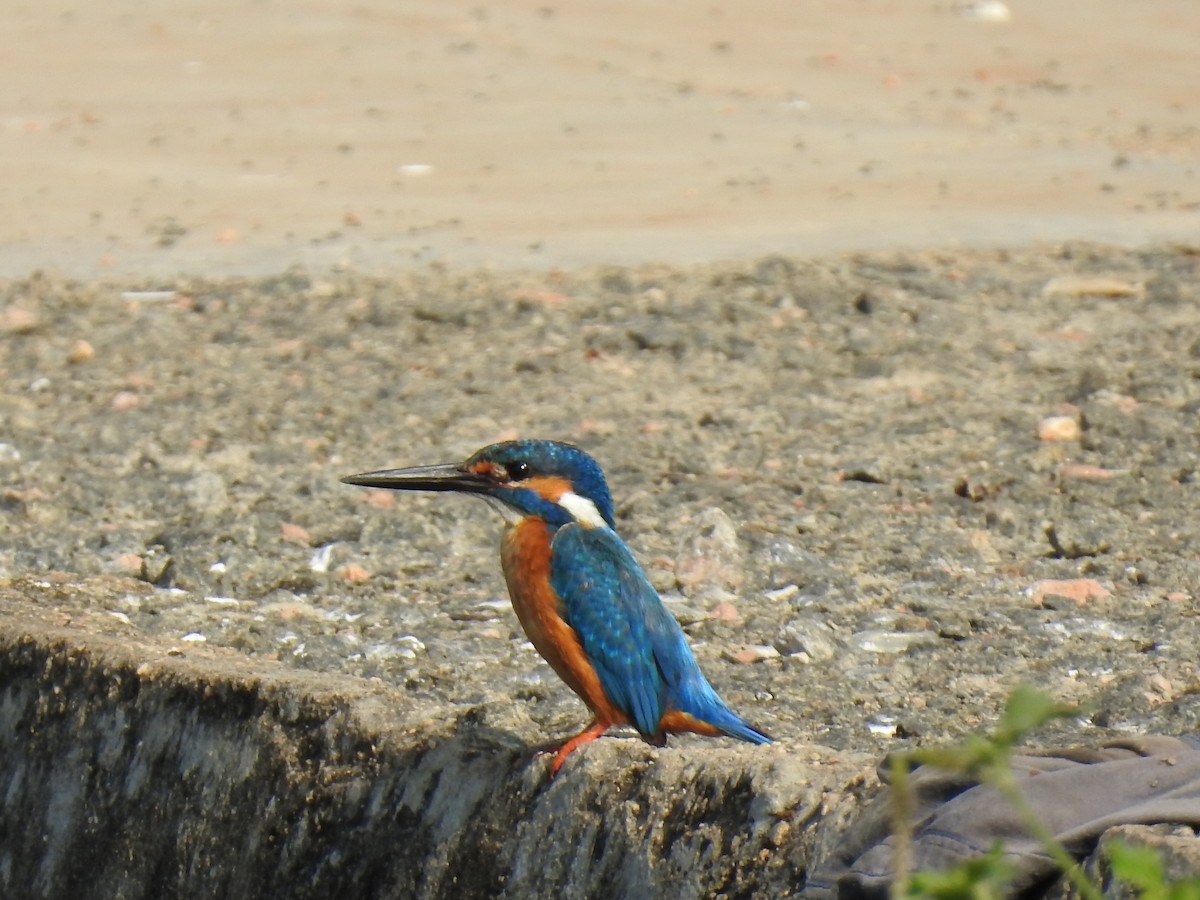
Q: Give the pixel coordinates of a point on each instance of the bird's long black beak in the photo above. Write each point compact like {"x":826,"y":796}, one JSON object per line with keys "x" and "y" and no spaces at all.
{"x":447,"y":477}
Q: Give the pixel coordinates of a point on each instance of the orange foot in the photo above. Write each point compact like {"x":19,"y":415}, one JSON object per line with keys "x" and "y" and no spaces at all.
{"x":586,"y":736}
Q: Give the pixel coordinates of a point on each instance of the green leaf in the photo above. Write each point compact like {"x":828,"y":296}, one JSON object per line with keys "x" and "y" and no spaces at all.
{"x":1142,"y":869}
{"x":1136,"y":866}
{"x":1028,"y":708}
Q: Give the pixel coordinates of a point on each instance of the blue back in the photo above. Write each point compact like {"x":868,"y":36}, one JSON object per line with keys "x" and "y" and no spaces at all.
{"x":637,"y":647}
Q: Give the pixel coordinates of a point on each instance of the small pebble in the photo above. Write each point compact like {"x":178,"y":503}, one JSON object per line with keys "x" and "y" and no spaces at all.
{"x":381,"y":499}
{"x":295,"y":534}
{"x":81,"y":351}
{"x":319,"y":562}
{"x":875,"y":641}
{"x":1081,"y":590}
{"x":17,"y":320}
{"x":412,"y":642}
{"x":1083,"y":286}
{"x":885,"y":726}
{"x":808,"y":636}
{"x":1059,"y":428}
{"x":1162,"y":685}
{"x":353,"y":573}
{"x":724,"y":612}
{"x":787,"y":592}
{"x":125,"y":400}
{"x":480,"y":613}
{"x":156,"y":564}
{"x":752,"y":653}
{"x":987,"y":11}
{"x":682,"y":610}
{"x":130,"y":563}
{"x":1090,"y":473}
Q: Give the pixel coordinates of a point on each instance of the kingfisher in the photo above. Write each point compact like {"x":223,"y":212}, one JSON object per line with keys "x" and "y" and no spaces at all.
{"x":584,"y":602}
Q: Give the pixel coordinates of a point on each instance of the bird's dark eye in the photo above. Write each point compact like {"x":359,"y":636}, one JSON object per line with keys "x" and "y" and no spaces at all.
{"x":518,"y":471}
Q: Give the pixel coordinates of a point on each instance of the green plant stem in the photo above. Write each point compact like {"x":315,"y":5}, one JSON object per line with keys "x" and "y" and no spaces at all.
{"x":1001,"y":778}
{"x":902,"y":824}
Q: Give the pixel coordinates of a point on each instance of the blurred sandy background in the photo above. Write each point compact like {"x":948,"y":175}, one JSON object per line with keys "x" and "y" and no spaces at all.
{"x":222,"y":137}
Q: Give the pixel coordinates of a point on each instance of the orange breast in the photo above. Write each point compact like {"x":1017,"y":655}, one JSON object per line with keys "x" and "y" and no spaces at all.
{"x":525,"y":555}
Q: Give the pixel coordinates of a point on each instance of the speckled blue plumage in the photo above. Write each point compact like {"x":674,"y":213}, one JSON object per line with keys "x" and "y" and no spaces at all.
{"x":637,"y":647}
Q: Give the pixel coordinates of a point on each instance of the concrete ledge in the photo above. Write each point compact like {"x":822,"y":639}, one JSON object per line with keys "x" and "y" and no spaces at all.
{"x":132,"y":768}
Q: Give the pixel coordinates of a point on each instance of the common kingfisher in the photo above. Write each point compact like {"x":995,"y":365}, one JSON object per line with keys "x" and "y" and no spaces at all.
{"x":583,"y":600}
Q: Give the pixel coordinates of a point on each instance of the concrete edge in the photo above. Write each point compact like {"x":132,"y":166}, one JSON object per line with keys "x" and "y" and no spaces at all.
{"x":134,"y":767}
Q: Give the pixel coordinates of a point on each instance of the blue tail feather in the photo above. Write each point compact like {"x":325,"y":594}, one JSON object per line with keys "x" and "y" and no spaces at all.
{"x":733,"y":725}
{"x":697,"y":698}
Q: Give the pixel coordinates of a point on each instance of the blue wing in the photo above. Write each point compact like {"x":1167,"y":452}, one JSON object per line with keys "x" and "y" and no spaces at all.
{"x":640,"y":653}
{"x":611,"y":606}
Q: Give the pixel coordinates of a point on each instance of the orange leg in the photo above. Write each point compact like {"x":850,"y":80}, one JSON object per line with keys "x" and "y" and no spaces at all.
{"x":586,"y":736}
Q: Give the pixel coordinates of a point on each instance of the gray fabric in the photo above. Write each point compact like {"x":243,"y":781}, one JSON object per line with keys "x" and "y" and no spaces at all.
{"x":1079,"y":792}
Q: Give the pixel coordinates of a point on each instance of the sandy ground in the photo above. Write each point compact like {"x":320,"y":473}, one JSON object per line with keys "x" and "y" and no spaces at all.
{"x":879,"y":491}
{"x":218,"y":138}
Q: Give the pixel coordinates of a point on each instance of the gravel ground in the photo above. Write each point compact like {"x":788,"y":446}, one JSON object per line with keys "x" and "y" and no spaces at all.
{"x":879,"y":490}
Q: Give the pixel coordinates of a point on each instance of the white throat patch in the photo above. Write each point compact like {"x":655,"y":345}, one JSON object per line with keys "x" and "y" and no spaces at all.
{"x":582,"y":510}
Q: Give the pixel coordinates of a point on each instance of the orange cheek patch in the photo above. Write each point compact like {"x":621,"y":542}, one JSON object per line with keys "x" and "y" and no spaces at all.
{"x":548,"y":486}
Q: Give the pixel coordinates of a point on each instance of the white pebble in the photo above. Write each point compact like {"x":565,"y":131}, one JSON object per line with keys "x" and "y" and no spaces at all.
{"x":883,"y":725}
{"x":320,"y":560}
{"x":890,"y":641}
{"x":1059,"y":428}
{"x":787,"y":592}
{"x":987,"y":11}
{"x":412,"y":642}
